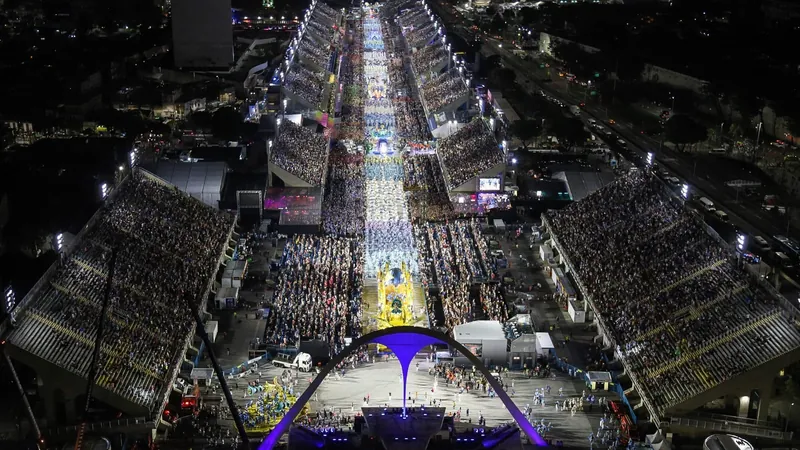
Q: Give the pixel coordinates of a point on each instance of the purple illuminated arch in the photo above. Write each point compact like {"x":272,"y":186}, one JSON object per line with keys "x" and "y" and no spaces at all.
{"x":405,"y":342}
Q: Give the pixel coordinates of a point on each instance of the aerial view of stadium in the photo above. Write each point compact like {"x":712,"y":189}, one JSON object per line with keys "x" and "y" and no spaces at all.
{"x":385,"y":283}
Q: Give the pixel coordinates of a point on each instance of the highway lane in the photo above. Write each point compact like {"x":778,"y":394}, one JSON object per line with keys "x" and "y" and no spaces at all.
{"x":748,"y":217}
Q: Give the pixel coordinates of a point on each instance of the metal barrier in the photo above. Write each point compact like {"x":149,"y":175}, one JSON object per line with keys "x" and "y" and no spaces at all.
{"x":106,"y":426}
{"x":577,"y":372}
{"x":740,"y":420}
{"x":731,"y":427}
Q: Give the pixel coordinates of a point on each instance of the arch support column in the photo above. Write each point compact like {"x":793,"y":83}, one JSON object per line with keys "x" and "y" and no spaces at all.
{"x":405,"y":342}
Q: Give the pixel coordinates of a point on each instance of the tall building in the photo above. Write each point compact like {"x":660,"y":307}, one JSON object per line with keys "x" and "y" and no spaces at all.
{"x":202,"y":33}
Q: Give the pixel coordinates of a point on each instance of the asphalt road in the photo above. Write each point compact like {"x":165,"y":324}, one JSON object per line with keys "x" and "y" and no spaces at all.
{"x":745,"y":213}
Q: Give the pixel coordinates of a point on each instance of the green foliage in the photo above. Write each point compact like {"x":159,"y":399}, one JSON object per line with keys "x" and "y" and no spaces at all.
{"x":502,"y":77}
{"x":201,"y":120}
{"x":569,"y":131}
{"x":226,"y":124}
{"x":526,"y":130}
{"x":682,"y":130}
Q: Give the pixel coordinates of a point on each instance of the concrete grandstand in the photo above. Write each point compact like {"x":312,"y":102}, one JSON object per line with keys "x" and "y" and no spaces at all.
{"x":686,"y":323}
{"x":168,"y":248}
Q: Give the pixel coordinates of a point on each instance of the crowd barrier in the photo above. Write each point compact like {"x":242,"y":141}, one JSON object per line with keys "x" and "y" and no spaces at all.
{"x":576,"y":372}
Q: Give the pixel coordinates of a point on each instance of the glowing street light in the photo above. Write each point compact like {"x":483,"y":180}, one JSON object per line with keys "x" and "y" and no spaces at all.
{"x":741,"y":242}
{"x":685,"y":191}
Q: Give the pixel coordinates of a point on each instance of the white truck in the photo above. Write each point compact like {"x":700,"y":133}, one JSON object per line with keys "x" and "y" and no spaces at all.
{"x":301,"y":362}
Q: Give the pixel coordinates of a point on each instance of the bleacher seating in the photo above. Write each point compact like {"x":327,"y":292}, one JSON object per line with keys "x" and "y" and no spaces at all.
{"x":168,"y":248}
{"x":307,"y":84}
{"x":683,"y":315}
{"x":443,"y":90}
{"x":468,"y":152}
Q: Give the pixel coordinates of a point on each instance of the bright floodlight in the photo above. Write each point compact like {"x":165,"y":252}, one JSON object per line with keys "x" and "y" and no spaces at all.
{"x":741,"y":241}
{"x":513,"y":160}
{"x":650,"y":158}
{"x":121,"y":168}
{"x":685,"y":191}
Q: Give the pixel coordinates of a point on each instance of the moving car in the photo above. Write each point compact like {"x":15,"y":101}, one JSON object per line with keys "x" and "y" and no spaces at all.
{"x":761,"y":243}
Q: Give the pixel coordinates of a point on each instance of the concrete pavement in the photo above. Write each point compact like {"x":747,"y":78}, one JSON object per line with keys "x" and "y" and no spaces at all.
{"x":345,"y":395}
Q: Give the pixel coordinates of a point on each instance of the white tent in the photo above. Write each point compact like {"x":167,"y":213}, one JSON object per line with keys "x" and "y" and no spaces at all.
{"x":485,"y":338}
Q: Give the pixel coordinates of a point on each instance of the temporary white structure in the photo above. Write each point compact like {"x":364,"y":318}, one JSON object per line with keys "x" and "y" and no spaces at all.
{"x":485,"y":338}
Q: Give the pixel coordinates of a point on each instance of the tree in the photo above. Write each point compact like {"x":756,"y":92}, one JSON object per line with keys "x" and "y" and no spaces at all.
{"x":793,"y":126}
{"x":491,"y":63}
{"x":569,"y":131}
{"x":226,"y":124}
{"x":718,"y":93}
{"x":749,"y":104}
{"x":502,"y":77}
{"x":788,"y":109}
{"x":682,"y":130}
{"x":526,"y":130}
{"x":497,"y":24}
{"x":201,"y":120}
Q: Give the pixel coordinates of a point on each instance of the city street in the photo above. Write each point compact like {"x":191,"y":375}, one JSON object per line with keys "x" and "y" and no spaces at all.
{"x":745,"y":213}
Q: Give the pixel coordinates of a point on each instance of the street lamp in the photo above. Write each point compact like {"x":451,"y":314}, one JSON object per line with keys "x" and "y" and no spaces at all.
{"x":685,"y":191}
{"x":741,"y":242}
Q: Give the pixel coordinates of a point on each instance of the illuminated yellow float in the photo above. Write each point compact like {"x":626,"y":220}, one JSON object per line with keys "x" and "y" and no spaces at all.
{"x":395,"y":297}
{"x":270,"y":404}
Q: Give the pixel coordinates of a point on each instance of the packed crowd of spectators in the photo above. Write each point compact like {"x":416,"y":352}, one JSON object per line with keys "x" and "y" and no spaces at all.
{"x":426,"y":193}
{"x":318,"y":293}
{"x":467,"y":152}
{"x":351,"y":124}
{"x":418,"y":37}
{"x":680,"y":288}
{"x":333,"y":16}
{"x":167,"y":247}
{"x":305,"y":83}
{"x":409,"y":115}
{"x":300,"y":151}
{"x":428,"y":58}
{"x":314,"y":53}
{"x":455,"y":257}
{"x":443,"y":89}
{"x":343,"y":206}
